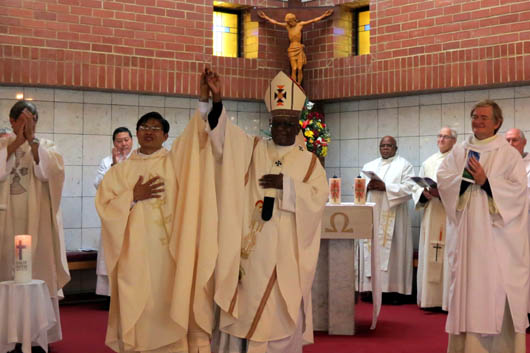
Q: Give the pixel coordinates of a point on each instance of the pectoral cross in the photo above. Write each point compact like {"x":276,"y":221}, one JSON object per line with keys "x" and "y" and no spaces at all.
{"x":437,"y":247}
{"x":20,"y":247}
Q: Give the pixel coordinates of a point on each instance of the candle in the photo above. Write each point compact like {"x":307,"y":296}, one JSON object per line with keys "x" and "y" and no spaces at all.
{"x":334,"y":190}
{"x":359,"y":188}
{"x":22,"y":258}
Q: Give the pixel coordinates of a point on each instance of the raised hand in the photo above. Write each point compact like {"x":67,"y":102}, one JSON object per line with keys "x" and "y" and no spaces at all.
{"x":328,"y":13}
{"x":29,"y":128}
{"x":271,"y":181}
{"x":117,"y":156}
{"x":203,"y":83}
{"x":148,"y":190}
{"x":214,"y":83}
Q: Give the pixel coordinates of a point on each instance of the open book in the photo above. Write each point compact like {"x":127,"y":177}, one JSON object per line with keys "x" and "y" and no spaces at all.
{"x":371,"y":175}
{"x":466,"y":175}
{"x":425,"y":182}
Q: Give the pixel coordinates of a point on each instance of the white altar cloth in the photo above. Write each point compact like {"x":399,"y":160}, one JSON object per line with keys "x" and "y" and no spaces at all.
{"x":26,"y":315}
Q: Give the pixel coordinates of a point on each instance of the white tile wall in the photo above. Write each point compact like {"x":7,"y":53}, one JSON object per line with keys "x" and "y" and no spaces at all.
{"x":81,"y":123}
{"x":414,"y":121}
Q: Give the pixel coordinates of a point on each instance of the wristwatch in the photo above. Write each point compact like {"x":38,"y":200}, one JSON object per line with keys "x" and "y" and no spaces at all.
{"x":35,"y":141}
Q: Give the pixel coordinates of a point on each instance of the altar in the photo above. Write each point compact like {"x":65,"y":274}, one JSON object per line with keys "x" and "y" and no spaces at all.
{"x":334,"y":285}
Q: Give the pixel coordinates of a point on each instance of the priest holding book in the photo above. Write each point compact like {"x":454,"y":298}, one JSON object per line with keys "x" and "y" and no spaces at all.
{"x":487,"y":242}
{"x":432,"y":274}
{"x":390,"y":187}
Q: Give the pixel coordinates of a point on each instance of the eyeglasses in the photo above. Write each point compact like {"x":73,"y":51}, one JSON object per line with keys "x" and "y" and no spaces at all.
{"x":480,"y":118}
{"x":445,"y":137}
{"x":389,"y":145}
{"x":149,"y":128}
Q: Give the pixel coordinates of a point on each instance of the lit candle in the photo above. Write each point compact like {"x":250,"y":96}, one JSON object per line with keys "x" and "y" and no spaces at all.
{"x":22,"y":258}
{"x":334,"y":190}
{"x":359,"y":188}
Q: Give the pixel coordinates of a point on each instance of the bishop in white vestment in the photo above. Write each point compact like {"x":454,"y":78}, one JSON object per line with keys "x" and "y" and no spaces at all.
{"x":394,"y":233}
{"x":31,"y":183}
{"x":272,"y":196}
{"x":433,"y":277}
{"x":483,"y":185}
{"x":160,"y":253}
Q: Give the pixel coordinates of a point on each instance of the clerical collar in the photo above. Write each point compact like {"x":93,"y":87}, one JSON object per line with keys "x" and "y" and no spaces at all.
{"x":476,"y":141}
{"x":148,"y":155}
{"x":388,"y":160}
{"x":283,"y":150}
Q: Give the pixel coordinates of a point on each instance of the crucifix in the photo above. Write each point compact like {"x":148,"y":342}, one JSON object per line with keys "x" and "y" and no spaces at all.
{"x":437,"y":247}
{"x":295,"y":18}
{"x":20,"y":247}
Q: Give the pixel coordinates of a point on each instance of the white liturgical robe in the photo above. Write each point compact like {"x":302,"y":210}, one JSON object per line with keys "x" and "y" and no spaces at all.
{"x":265,"y":269}
{"x":394,"y":230}
{"x":432,"y":277}
{"x":32,"y":195}
{"x":488,"y":252}
{"x":102,"y":284}
{"x":160,"y":253}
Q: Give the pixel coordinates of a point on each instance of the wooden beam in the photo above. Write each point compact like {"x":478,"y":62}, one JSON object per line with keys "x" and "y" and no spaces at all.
{"x":278,"y":13}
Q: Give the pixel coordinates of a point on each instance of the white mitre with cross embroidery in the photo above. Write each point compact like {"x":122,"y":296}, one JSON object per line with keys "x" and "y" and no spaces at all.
{"x":284,"y":93}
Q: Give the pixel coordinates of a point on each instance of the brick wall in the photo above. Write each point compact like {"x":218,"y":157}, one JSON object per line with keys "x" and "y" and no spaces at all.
{"x":159,"y":46}
{"x":419,"y":45}
{"x":155,"y":46}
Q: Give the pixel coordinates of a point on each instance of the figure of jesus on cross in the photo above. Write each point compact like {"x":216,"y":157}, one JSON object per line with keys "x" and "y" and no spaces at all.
{"x":20,"y":247}
{"x":295,"y":51}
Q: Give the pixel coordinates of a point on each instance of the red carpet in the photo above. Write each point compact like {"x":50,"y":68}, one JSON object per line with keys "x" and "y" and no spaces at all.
{"x":401,"y":329}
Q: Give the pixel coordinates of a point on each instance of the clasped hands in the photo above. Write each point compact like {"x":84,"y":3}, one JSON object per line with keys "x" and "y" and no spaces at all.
{"x":24,"y":128}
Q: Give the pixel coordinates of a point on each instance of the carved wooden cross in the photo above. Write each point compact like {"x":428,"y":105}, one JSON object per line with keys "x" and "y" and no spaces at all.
{"x":302,"y":13}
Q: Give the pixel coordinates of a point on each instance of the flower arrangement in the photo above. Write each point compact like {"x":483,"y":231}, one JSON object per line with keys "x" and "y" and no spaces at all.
{"x":316,"y":134}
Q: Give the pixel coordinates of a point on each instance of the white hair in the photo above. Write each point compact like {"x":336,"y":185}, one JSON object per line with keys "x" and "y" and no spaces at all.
{"x":453,"y":131}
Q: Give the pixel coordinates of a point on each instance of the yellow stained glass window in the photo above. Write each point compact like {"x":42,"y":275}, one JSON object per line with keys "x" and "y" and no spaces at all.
{"x":363,"y":32}
{"x":225,"y":34}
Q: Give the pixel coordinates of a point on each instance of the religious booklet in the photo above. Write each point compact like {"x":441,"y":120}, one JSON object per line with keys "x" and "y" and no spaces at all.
{"x":371,"y":175}
{"x":425,"y":182}
{"x":466,"y":175}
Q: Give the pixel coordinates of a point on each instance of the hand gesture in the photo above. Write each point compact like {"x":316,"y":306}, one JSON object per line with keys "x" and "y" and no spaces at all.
{"x":203,"y":83}
{"x":376,"y":185}
{"x":262,"y":14}
{"x":271,"y":181}
{"x":117,"y":156}
{"x":148,"y":190}
{"x":29,"y":128}
{"x":328,"y":13}
{"x":214,"y":83}
{"x":19,"y":127}
{"x":476,"y":170}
